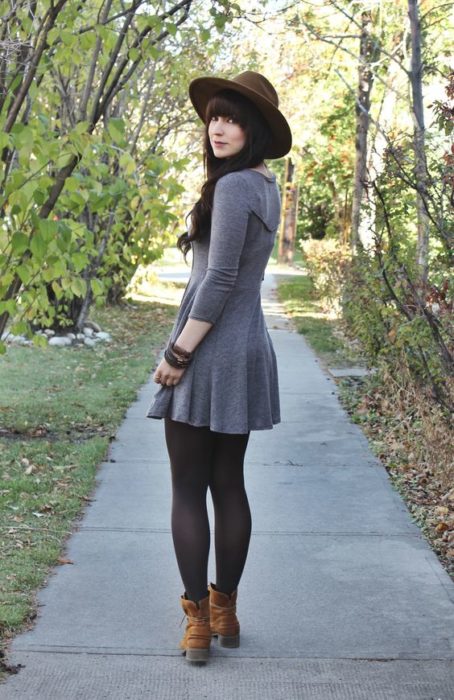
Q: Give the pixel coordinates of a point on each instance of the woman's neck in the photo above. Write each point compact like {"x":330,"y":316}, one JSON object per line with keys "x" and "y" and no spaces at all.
{"x":261,"y":168}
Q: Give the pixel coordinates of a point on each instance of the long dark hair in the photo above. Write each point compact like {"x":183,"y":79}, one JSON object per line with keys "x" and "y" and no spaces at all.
{"x":227,"y":103}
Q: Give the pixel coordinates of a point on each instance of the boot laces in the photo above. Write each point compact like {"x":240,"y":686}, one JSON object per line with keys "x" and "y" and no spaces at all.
{"x":194,"y":620}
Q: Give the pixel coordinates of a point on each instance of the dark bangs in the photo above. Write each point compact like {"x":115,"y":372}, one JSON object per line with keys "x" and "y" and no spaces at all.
{"x":229,"y":103}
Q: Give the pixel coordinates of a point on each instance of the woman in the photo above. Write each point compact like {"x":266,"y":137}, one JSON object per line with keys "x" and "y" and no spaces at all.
{"x":219,"y":376}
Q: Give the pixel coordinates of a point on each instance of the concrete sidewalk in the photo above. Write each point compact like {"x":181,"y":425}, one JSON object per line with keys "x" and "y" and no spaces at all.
{"x":341,"y":596}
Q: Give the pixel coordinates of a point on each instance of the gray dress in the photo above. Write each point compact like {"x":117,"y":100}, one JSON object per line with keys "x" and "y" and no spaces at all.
{"x":232,"y":383}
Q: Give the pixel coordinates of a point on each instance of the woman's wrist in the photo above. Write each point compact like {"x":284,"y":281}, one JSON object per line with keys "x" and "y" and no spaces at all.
{"x":177,"y":357}
{"x":192,"y":334}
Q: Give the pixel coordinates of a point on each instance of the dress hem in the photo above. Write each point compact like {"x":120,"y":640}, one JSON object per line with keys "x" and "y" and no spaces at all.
{"x":213,"y":429}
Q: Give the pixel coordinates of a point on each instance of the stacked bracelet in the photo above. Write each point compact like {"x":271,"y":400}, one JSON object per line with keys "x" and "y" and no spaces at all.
{"x":177,"y":357}
{"x":180,"y":352}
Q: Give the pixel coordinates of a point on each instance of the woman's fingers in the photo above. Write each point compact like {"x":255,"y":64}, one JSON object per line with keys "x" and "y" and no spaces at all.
{"x":167,"y":375}
{"x":167,"y":379}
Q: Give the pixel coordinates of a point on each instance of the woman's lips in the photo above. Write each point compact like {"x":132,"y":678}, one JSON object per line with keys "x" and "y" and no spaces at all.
{"x":219,"y":143}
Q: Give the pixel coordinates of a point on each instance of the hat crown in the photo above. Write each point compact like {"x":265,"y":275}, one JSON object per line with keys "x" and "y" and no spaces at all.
{"x":257,"y":82}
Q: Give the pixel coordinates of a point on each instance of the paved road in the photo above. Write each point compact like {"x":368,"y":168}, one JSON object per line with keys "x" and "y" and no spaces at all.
{"x":341,"y":596}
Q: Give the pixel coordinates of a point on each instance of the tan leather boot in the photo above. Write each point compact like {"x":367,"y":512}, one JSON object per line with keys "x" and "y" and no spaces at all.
{"x":197,"y":637}
{"x":223,"y":619}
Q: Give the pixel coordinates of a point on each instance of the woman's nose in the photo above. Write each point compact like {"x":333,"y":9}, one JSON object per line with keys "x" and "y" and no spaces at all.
{"x":220,"y":123}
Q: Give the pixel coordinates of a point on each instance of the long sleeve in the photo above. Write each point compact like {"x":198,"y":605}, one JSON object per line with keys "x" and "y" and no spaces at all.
{"x":229,"y":222}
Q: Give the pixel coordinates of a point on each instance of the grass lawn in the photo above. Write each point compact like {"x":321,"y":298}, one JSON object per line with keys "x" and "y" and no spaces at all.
{"x":59,"y":409}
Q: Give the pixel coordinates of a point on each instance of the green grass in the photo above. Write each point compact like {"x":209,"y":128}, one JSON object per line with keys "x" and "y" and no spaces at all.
{"x":321,"y":328}
{"x":59,"y":409}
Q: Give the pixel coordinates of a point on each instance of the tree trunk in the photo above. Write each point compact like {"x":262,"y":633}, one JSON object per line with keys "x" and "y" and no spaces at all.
{"x":396,"y":81}
{"x":287,"y":234}
{"x":421,"y":174}
{"x":367,"y":52}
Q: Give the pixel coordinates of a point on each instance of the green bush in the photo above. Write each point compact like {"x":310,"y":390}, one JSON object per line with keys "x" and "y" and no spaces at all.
{"x":407,"y":325}
{"x":326,"y":263}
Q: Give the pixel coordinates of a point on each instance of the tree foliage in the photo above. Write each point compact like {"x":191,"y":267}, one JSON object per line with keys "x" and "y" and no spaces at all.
{"x":89,"y":92}
{"x":344,"y":59}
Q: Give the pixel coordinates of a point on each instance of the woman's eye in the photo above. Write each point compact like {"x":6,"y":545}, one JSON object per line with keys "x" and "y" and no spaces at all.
{"x":230,"y":120}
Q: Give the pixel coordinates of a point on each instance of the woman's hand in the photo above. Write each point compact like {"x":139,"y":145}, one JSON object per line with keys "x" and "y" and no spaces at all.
{"x":167,"y":375}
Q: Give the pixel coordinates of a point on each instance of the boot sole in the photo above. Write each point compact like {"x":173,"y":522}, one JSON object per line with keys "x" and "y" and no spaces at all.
{"x":229,"y":642}
{"x":197,"y":655}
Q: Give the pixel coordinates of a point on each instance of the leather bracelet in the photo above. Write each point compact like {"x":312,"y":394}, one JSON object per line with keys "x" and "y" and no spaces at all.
{"x":179,"y":351}
{"x":172,"y":360}
{"x":175,"y":361}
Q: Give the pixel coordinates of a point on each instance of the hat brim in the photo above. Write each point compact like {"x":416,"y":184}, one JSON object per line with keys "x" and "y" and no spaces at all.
{"x":201,"y":90}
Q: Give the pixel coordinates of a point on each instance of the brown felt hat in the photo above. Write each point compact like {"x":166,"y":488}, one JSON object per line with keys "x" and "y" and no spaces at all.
{"x":260,"y":91}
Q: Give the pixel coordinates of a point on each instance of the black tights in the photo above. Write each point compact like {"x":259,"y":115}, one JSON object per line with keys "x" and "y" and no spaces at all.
{"x":201,"y":458}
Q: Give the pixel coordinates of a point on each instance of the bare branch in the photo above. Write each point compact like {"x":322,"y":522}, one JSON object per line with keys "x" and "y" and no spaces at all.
{"x":434,"y":9}
{"x":47,"y":25}
{"x":113,"y":57}
{"x":339,"y":45}
{"x":102,"y":16}
{"x":118,"y":81}
{"x":352,"y":19}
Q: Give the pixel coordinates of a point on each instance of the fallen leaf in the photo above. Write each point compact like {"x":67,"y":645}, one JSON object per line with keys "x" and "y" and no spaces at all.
{"x":47,"y":508}
{"x":62,"y":560}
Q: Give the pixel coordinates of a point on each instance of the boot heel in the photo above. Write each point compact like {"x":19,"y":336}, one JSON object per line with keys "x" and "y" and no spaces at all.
{"x":224,"y":622}
{"x":229,"y":642}
{"x":197,"y":655}
{"x":197,"y":637}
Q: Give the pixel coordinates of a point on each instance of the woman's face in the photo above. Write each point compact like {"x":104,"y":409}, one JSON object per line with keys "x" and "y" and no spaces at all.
{"x":226,"y":136}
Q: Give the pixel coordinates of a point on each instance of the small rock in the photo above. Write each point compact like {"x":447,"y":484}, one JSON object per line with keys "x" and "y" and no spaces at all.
{"x":49,"y":332}
{"x":94,"y":326}
{"x":88,"y":332}
{"x":72,"y":336}
{"x":17,"y":339}
{"x":89,"y":342}
{"x":80,"y":336}
{"x":102,"y":335}
{"x":60,"y":341}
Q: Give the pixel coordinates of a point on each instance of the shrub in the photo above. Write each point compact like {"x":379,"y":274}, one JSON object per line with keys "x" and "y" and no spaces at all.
{"x":326,"y":263}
